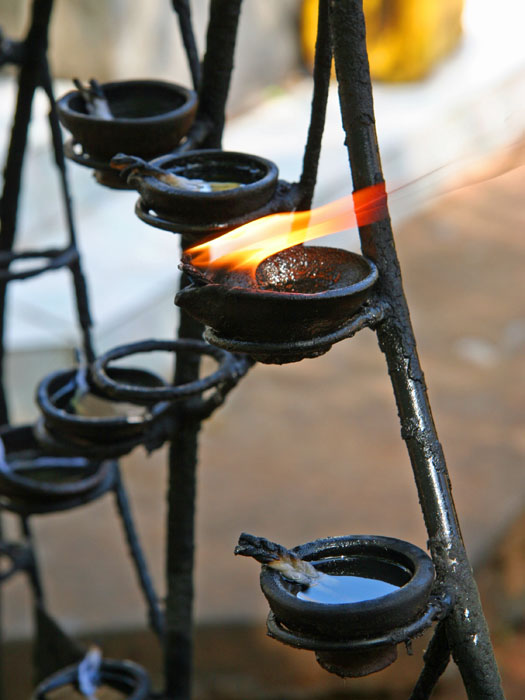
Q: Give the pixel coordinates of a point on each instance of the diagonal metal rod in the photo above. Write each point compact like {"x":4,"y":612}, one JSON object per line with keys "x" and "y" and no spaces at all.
{"x":436,"y":660}
{"x":81,"y":293}
{"x":321,"y":80}
{"x":35,"y":47}
{"x":466,"y":628}
{"x":155,"y":615}
{"x":183,"y":10}
{"x":33,"y":50}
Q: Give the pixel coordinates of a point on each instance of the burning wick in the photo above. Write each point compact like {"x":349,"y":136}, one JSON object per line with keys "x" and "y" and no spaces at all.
{"x":248,"y":245}
{"x":94,"y":98}
{"x":130,"y":165}
{"x":318,"y":586}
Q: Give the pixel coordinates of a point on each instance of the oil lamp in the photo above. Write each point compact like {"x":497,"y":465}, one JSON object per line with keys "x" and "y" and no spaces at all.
{"x":202,"y":193}
{"x":124,"y":679}
{"x":259,"y":290}
{"x":356,"y":597}
{"x":146,"y":118}
{"x":78,"y":416}
{"x":296,"y":305}
{"x":35,"y":481}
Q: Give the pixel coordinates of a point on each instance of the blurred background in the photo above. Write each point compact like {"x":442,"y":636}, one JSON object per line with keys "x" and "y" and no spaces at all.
{"x":308,"y":450}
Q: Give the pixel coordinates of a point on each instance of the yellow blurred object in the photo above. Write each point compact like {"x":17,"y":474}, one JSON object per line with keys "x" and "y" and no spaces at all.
{"x":406,"y":38}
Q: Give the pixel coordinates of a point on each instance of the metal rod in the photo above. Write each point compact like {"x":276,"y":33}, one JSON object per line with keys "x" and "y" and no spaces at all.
{"x":32,"y":50}
{"x":436,"y":659}
{"x":217,"y":67}
{"x":81,"y":293}
{"x":180,"y":547}
{"x":33,"y":571}
{"x":466,"y":627}
{"x":321,"y":80}
{"x":183,"y":10}
{"x":35,"y":48}
{"x":178,"y":652}
{"x":155,"y":616}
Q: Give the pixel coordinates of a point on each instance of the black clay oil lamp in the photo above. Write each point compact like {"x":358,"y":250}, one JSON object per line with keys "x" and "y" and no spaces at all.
{"x":293,"y":307}
{"x":201,"y":193}
{"x":260,"y":291}
{"x":145,"y":118}
{"x":76,"y":410}
{"x":350,"y":599}
{"x":111,"y":678}
{"x":35,"y":481}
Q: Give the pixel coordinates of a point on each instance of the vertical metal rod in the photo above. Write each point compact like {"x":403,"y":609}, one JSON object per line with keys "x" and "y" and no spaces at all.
{"x":466,"y":627}
{"x":178,"y":655}
{"x":217,"y":67}
{"x":321,"y":80}
{"x":33,"y":572}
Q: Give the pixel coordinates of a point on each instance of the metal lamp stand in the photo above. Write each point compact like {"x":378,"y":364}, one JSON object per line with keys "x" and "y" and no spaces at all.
{"x":341,"y":34}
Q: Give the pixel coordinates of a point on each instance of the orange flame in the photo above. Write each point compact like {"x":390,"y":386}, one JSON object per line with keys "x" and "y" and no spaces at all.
{"x":248,"y":245}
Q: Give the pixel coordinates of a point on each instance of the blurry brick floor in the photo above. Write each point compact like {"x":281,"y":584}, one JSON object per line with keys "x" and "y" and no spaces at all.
{"x":313,"y":449}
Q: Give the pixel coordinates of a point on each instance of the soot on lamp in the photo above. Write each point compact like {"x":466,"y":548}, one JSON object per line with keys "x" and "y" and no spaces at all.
{"x":297,"y":300}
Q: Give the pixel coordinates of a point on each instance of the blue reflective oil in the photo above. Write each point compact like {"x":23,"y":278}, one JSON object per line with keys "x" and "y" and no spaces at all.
{"x":333,"y":590}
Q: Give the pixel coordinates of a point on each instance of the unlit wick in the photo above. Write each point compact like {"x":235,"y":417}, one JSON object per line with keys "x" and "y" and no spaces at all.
{"x":94,"y":99}
{"x":130,"y":165}
{"x":319,"y":587}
